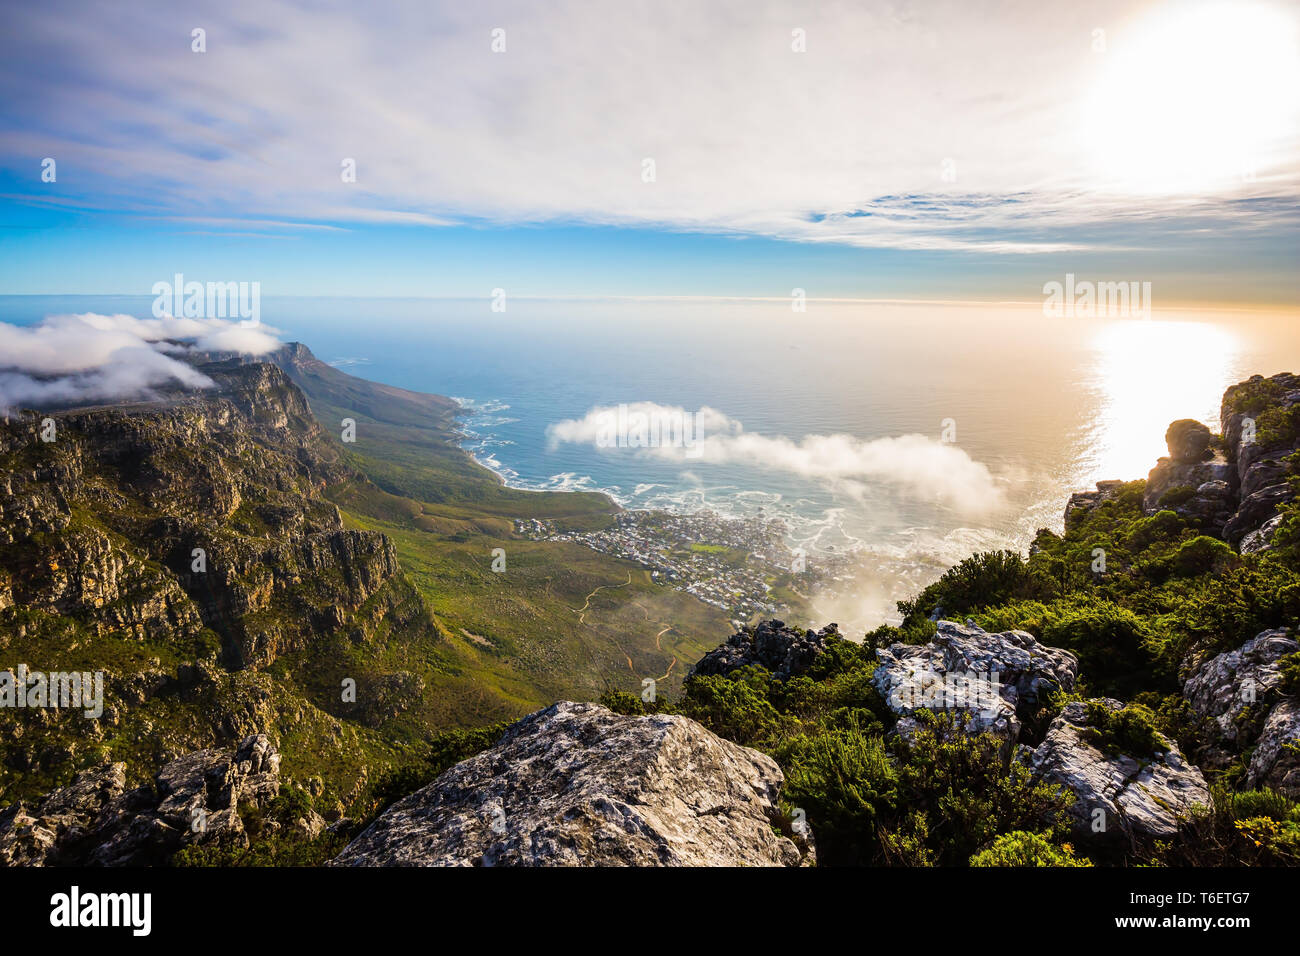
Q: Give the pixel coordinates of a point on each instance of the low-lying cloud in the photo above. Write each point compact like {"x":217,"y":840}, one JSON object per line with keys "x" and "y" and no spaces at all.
{"x":913,"y":464}
{"x":75,"y":359}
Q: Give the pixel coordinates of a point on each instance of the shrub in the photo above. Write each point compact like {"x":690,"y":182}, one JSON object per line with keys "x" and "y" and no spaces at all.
{"x":622,"y":702}
{"x":982,"y":580}
{"x":1288,"y":667}
{"x":969,"y":792}
{"x":1022,"y":848}
{"x":1201,"y":555}
{"x":1255,"y":828}
{"x":1163,"y":526}
{"x":1262,"y":803}
{"x":1220,"y":612}
{"x":445,"y":750}
{"x":1253,"y":396}
{"x":1112,"y":643}
{"x":846,"y":783}
{"x":279,"y":850}
{"x":734,"y":706}
{"x":1285,"y":543}
{"x":1278,"y":426}
{"x":1131,"y":730}
{"x":1177,"y":495}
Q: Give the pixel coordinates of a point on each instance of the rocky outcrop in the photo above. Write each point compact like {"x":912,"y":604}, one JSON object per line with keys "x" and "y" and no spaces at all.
{"x":1188,"y":441}
{"x":1201,"y":493}
{"x":96,"y":821}
{"x":1195,"y":482}
{"x":1134,"y":796}
{"x":1257,"y":438}
{"x":1254,"y":517}
{"x":1081,"y":503}
{"x":1235,"y":690}
{"x":1276,"y":760}
{"x":988,"y":680}
{"x":1230,"y":487}
{"x":785,"y":651}
{"x":578,"y":785}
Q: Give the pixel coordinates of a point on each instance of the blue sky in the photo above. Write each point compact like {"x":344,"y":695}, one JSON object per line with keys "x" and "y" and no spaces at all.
{"x":878,"y":150}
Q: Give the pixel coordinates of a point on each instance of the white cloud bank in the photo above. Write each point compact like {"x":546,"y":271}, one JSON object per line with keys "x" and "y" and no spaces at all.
{"x":73,"y":359}
{"x":914,"y":464}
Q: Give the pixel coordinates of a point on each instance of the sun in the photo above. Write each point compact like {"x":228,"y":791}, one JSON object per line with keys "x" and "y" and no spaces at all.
{"x":1194,"y":97}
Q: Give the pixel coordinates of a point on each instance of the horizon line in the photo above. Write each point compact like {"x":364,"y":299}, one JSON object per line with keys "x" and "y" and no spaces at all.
{"x":564,"y":297}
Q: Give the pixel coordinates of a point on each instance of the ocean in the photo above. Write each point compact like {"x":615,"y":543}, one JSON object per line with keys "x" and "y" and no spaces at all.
{"x":1015,"y":410}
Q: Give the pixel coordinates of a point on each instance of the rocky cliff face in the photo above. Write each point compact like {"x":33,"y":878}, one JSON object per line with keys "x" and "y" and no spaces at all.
{"x":1259,"y":434}
{"x":577,"y":785}
{"x":182,"y":547}
{"x":1241,"y":696}
{"x":161,"y":520}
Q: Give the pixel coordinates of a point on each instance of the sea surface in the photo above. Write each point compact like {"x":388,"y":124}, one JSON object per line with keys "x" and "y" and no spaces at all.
{"x":1027,"y":408}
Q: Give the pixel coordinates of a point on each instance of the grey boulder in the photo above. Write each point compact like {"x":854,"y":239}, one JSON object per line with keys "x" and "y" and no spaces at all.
{"x":987,"y":679}
{"x":1117,"y":795}
{"x":578,"y":785}
{"x":1276,"y":760}
{"x":1229,"y":689}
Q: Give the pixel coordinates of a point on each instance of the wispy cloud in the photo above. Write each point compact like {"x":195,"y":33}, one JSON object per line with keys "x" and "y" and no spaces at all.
{"x":947,"y":125}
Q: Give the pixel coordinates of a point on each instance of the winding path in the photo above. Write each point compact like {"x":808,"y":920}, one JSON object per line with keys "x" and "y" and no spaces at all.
{"x":582,"y":611}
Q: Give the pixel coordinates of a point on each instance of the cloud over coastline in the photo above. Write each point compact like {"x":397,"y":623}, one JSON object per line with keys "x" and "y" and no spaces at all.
{"x":913,"y":464}
{"x":71,"y":359}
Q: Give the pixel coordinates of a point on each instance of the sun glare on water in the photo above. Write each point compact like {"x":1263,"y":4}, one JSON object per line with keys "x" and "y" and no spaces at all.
{"x":1149,"y":373}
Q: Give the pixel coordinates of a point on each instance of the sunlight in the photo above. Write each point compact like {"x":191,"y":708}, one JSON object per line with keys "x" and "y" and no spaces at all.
{"x":1193,"y":97}
{"x":1150,"y":373}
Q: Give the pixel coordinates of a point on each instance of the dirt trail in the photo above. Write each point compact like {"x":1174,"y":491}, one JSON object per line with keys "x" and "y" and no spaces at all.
{"x":582,"y":611}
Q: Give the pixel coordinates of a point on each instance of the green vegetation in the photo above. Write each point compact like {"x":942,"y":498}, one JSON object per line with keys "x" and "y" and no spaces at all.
{"x":446,"y":750}
{"x":1163,"y":591}
{"x":1179,"y":494}
{"x":447,"y":645}
{"x":1019,"y":848}
{"x":1131,"y":594}
{"x":1252,"y":828}
{"x":872,"y":799}
{"x":1130,"y":730}
{"x":275,"y":837}
{"x":447,"y":653}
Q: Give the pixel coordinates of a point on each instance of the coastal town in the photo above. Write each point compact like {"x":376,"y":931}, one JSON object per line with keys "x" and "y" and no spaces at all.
{"x":739,"y":564}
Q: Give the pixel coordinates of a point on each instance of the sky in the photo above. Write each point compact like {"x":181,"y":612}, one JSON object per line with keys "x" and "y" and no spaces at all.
{"x":946,"y":149}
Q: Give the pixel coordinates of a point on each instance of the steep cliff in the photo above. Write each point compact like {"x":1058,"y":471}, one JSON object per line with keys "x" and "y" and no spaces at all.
{"x":183,"y":548}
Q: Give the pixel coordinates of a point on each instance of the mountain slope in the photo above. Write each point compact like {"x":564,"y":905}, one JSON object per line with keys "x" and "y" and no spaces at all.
{"x":193,"y":549}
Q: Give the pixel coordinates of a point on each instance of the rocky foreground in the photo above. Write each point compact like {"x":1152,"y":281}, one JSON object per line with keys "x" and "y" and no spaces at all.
{"x":99,"y":821}
{"x":577,"y":785}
